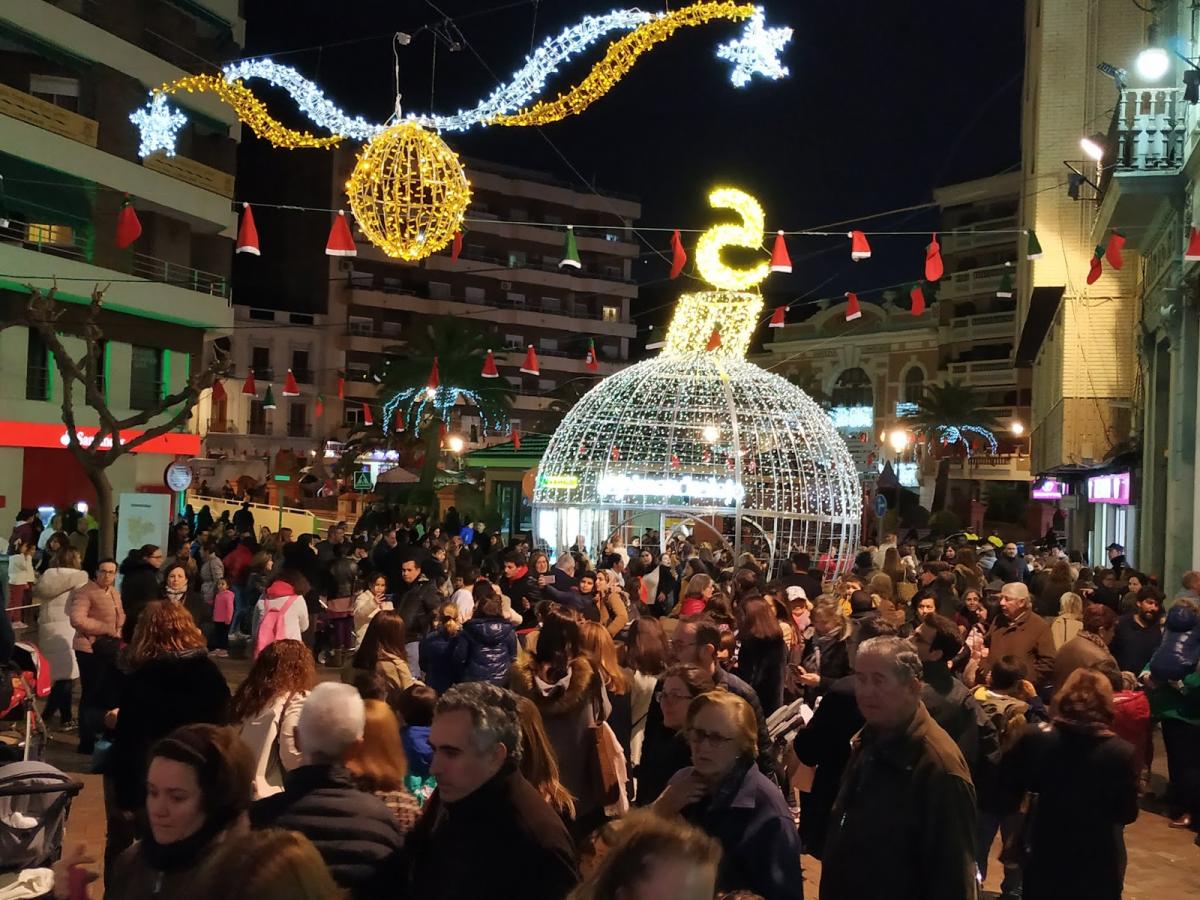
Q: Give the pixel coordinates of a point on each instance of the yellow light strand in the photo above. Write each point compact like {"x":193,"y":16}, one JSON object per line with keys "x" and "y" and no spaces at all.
{"x":620,"y":58}
{"x":748,"y":234}
{"x":408,"y":192}
{"x":733,"y":314}
{"x":251,"y":111}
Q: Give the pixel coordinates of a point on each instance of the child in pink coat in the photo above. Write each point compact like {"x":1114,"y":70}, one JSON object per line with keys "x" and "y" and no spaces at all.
{"x":222,"y":613}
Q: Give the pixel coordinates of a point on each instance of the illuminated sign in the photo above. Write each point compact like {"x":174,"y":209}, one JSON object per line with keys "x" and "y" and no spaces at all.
{"x":1049,"y":489}
{"x":1112,"y":489}
{"x":560,"y":482}
{"x":904,"y":410}
{"x":47,"y":435}
{"x":688,"y":487}
{"x":853,"y":417}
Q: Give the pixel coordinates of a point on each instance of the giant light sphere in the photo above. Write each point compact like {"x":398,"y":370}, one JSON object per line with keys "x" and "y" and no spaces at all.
{"x":699,"y":437}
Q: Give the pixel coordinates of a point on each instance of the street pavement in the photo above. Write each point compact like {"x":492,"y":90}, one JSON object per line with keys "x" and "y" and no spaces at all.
{"x":1163,"y":862}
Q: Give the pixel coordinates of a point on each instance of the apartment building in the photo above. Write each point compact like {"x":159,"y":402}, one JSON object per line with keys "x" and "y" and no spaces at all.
{"x":71,"y":71}
{"x":872,"y":371}
{"x":507,"y":280}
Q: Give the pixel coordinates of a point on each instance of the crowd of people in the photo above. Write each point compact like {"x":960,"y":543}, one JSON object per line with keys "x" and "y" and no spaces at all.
{"x":641,"y":720}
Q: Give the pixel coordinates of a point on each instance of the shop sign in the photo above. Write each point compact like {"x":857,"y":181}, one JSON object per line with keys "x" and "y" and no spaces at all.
{"x":623,"y":487}
{"x":48,"y":435}
{"x":1113,"y":488}
{"x":1049,"y":489}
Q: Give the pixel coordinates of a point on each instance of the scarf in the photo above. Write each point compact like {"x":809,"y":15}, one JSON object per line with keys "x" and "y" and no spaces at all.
{"x":521,"y":572}
{"x":166,"y":857}
{"x":175,"y":596}
{"x":1095,"y":639}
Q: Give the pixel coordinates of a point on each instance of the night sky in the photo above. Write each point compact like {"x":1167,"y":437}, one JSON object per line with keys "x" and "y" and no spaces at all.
{"x":885,"y":101}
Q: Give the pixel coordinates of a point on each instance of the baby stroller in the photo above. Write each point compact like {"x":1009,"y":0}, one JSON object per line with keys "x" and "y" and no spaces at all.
{"x":35,"y":800}
{"x":23,"y":681}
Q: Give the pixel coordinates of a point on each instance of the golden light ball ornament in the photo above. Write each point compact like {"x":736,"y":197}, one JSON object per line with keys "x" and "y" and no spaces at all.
{"x":408,"y":192}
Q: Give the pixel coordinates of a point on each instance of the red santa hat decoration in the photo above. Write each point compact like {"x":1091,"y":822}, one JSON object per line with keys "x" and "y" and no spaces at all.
{"x":780,"y":260}
{"x":247,"y":239}
{"x":341,"y":241}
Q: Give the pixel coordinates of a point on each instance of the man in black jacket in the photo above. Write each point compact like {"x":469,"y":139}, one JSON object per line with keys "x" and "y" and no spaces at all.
{"x":1138,"y":633}
{"x":417,"y":606}
{"x":484,"y":818}
{"x":352,"y":830}
{"x":520,"y":587}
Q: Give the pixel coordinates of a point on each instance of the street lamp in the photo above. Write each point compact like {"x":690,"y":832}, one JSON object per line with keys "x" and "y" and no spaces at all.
{"x":455,"y":444}
{"x":899,"y":440}
{"x":1152,"y":63}
{"x":1018,"y":429}
{"x":1094,"y":146}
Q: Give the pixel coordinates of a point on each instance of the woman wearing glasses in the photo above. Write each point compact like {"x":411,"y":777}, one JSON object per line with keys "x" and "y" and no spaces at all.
{"x":665,"y":750}
{"x":724,"y":794}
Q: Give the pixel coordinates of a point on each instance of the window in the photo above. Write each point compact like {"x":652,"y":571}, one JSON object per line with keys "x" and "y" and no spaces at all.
{"x":517,"y":300}
{"x":513,"y":381}
{"x":357,"y":370}
{"x":614,"y":272}
{"x":257,"y":421}
{"x":516,"y":258}
{"x":300,"y":367}
{"x":262,"y":315}
{"x":352,"y":414}
{"x":914,"y":385}
{"x":551,"y":304}
{"x":298,"y":420}
{"x":547,"y":343}
{"x":218,"y":419}
{"x":300,"y":319}
{"x":63,"y":92}
{"x":145,"y":377}
{"x":475,"y":294}
{"x":260,"y":362}
{"x":439,"y":290}
{"x":360,"y":325}
{"x":546,"y":385}
{"x":392,"y":329}
{"x":610,"y":313}
{"x":552,"y":219}
{"x":518,"y":213}
{"x":54,"y":235}
{"x":610,"y":351}
{"x":514,"y":341}
{"x":37,"y":368}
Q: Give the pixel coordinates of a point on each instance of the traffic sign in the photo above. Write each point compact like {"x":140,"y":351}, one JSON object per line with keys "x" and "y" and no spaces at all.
{"x":362,"y":481}
{"x":881,"y":505}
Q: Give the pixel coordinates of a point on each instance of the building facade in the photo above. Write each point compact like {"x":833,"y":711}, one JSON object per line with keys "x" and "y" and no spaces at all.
{"x":71,"y":71}
{"x":871,"y":372}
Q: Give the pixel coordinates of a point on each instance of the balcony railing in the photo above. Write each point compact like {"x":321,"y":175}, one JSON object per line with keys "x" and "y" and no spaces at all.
{"x":989,"y":371}
{"x":981,"y":234}
{"x":44,"y":114}
{"x":365,"y":281}
{"x":971,"y":282}
{"x":43,"y":238}
{"x":1151,"y":130}
{"x":299,"y":429}
{"x":303,"y":376}
{"x":585,"y":272}
{"x":259,"y":427}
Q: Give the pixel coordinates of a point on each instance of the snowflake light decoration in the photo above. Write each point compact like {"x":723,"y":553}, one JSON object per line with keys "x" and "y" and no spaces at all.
{"x":756,"y":52}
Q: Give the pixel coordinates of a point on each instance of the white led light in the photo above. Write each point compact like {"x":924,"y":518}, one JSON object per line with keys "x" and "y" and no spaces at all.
{"x":853,"y":416}
{"x":159,"y":125}
{"x":952,"y":434}
{"x":756,"y":52}
{"x":631,"y":487}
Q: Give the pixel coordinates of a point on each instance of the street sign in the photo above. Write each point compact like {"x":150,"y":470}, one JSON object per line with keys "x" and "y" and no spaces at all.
{"x":881,"y":505}
{"x":362,"y":481}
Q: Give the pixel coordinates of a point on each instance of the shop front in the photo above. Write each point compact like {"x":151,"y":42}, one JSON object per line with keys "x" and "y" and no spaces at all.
{"x":38,"y":471}
{"x":1113,"y":516}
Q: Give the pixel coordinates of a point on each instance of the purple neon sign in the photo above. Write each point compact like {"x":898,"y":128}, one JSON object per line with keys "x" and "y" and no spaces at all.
{"x":1049,"y":489}
{"x":1112,"y":489}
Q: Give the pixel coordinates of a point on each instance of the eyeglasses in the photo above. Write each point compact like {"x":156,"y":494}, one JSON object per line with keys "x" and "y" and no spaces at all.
{"x":700,"y":736}
{"x":660,"y":696}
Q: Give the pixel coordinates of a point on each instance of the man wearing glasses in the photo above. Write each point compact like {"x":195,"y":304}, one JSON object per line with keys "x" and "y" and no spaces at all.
{"x":97,"y":616}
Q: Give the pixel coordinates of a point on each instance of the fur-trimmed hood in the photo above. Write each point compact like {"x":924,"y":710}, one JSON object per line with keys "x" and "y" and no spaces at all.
{"x":580,"y":690}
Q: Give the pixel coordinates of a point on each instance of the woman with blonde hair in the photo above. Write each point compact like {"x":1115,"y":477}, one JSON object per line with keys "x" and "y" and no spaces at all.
{"x":597,"y":643}
{"x":724,"y":794}
{"x":438,"y":649}
{"x":53,"y":593}
{"x":538,"y":762}
{"x":654,"y":857}
{"x":1069,"y":621}
{"x":170,"y":682}
{"x":267,"y":707}
{"x":267,"y":864}
{"x":379,"y":765}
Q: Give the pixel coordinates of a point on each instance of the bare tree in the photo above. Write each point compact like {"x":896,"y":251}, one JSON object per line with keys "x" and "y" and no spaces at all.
{"x":43,"y":315}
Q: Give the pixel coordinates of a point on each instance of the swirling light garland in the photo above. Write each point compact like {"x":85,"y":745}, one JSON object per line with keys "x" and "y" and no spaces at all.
{"x":755,"y":53}
{"x":952,"y":434}
{"x":412,"y":403}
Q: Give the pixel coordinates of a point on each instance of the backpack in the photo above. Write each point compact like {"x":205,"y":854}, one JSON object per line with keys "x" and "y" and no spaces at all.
{"x":274,"y":624}
{"x":1007,"y":714}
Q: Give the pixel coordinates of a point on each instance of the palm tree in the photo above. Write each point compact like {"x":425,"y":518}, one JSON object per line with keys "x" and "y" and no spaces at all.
{"x":946,"y":415}
{"x":460,"y":349}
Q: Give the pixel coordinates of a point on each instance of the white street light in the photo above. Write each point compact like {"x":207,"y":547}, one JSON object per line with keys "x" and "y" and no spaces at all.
{"x":455,"y":443}
{"x":898,"y":439}
{"x":1018,"y":429}
{"x":1152,"y":63}
{"x":1094,"y":146}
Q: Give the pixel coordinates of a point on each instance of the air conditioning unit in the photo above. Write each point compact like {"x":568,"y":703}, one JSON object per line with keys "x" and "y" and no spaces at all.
{"x":506,"y":285}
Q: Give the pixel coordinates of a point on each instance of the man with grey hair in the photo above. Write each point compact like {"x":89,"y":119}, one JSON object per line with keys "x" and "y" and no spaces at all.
{"x":906,"y":798}
{"x":484,"y":818}
{"x":354,"y":831}
{"x":1022,"y":633}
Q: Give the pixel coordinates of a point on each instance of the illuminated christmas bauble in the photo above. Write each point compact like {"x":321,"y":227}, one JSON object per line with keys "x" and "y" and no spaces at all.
{"x":408,"y":192}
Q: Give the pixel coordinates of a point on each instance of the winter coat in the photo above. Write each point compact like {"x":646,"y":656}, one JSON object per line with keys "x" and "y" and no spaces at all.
{"x":156,"y":698}
{"x":341,"y":576}
{"x":750,"y":819}
{"x":524,"y":593}
{"x":352,"y":830}
{"x":365,"y":609}
{"x":237,"y":564}
{"x":419,"y":754}
{"x":21,"y":570}
{"x":135,"y":876}
{"x":1010,"y":570}
{"x":1177,"y":655}
{"x":761,"y":664}
{"x":486,"y":650}
{"x":614,"y":611}
{"x":394,"y":670}
{"x":271,"y":736}
{"x":139,"y":585}
{"x":437,"y":659}
{"x":570,"y":597}
{"x":56,"y":634}
{"x":664,"y":752}
{"x":824,"y":744}
{"x":569,"y":709}
{"x":1134,"y":643}
{"x":417,"y":606}
{"x":95,"y":611}
{"x":1087,"y":791}
{"x":295,"y":619}
{"x":903,"y":825}
{"x":212,"y":569}
{"x":501,"y":842}
{"x":1065,"y":628}
{"x":1029,"y":640}
{"x":1080,"y":652}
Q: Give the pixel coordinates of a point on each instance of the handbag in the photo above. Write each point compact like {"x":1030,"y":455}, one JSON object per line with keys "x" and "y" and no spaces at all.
{"x":1018,"y":846}
{"x":608,"y":763}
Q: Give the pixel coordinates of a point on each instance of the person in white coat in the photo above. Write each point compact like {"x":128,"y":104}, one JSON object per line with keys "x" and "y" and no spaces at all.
{"x":267,"y":707}
{"x":53,"y":593}
{"x":368,"y":604}
{"x":281,"y":595}
{"x":21,"y":577}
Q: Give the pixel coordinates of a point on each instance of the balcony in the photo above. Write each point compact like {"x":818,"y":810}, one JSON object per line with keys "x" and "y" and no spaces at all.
{"x":971,"y":283}
{"x":299,"y":429}
{"x":65,"y":242}
{"x":194,"y":173}
{"x":985,"y":326}
{"x":984,"y":373}
{"x":304,"y":376}
{"x":988,"y":233}
{"x":1004,"y":467}
{"x":221,"y":426}
{"x":1156,"y":133}
{"x":260,"y":427}
{"x":43,"y":114}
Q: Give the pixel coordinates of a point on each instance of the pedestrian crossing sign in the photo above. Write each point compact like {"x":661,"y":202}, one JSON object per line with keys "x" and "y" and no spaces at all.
{"x":362,"y":481}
